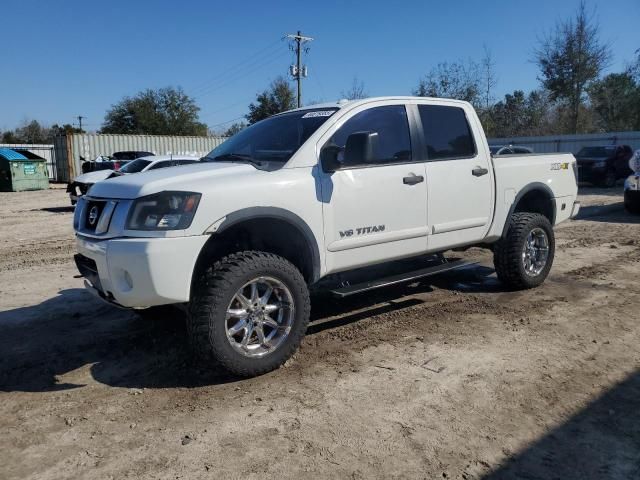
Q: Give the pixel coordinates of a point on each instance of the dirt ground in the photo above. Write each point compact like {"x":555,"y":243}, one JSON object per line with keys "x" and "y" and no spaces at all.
{"x":451,"y":377}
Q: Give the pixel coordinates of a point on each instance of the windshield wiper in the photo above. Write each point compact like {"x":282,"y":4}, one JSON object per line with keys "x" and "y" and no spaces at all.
{"x":234,"y":157}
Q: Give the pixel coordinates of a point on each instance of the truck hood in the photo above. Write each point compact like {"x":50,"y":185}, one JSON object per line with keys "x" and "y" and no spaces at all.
{"x":93,"y":177}
{"x":193,"y":178}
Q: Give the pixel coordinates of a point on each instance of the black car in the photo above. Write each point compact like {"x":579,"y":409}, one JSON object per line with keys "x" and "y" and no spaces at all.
{"x":603,"y":166}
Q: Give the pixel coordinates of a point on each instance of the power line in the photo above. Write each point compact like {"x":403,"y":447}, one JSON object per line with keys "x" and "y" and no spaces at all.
{"x":238,"y":66}
{"x":228,"y":121}
{"x":232,"y":79}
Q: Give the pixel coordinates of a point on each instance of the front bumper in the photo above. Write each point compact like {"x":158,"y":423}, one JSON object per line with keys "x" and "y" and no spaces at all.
{"x":588,"y":173}
{"x":139,"y":272}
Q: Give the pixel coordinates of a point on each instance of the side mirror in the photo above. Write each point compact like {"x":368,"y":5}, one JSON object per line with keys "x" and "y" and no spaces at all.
{"x":329,"y":158}
{"x":360,"y":148}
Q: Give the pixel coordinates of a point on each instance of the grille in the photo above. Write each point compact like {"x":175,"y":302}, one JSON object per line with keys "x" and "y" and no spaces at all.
{"x":93,"y":212}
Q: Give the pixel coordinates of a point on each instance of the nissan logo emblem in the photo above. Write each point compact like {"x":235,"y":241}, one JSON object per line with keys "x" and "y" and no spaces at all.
{"x":93,"y":215}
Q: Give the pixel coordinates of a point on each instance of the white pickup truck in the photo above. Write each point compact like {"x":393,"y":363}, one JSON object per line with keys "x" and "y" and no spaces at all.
{"x":339,"y":197}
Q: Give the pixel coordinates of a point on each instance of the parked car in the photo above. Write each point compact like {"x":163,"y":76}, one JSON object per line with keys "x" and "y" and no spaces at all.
{"x":604,"y":166}
{"x":113,"y":162}
{"x":632,"y":185}
{"x":82,"y":183}
{"x":341,"y":198}
{"x":509,"y":149}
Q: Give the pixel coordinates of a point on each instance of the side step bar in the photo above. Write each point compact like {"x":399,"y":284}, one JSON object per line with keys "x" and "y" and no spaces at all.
{"x":399,"y":278}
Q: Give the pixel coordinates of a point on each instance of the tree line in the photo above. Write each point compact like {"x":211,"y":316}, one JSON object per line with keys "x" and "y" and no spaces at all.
{"x":573,"y":96}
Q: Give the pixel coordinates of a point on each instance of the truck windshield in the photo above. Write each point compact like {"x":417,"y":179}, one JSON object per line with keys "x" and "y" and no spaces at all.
{"x":274,"y":139}
{"x":135,"y":166}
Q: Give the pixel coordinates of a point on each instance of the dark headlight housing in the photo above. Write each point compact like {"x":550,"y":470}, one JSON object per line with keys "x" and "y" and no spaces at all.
{"x":163,"y":211}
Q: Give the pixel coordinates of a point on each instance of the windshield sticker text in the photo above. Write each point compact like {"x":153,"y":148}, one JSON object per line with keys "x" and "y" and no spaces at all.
{"x":321,"y":113}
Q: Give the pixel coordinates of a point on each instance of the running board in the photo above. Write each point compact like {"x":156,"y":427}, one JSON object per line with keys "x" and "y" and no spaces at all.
{"x":399,"y":278}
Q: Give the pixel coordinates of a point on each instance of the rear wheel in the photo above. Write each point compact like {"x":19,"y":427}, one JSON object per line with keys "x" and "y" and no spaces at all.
{"x":249,"y":312}
{"x":524,"y":256}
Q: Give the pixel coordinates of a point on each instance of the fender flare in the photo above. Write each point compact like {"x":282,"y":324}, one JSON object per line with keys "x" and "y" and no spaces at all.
{"x":294,"y":220}
{"x":527,"y":189}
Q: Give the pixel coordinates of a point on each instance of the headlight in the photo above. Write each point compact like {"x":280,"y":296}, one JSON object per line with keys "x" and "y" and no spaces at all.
{"x":599,"y":164}
{"x":163,"y":211}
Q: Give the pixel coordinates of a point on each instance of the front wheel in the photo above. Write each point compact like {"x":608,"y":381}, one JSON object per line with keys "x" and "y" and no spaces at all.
{"x":249,"y":312}
{"x":524,"y":256}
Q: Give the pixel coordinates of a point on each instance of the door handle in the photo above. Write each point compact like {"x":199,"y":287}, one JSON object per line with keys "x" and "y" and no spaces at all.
{"x":479,"y":171}
{"x":413,"y":179}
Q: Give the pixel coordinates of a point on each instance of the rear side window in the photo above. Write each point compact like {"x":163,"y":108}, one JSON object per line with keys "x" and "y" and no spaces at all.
{"x":446,"y":132}
{"x":390,"y":123}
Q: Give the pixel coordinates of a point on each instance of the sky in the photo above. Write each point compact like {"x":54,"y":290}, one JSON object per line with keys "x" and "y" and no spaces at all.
{"x":64,"y":59}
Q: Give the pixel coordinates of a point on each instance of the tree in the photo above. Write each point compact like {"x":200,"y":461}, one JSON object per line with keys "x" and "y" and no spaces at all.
{"x":522,"y":115}
{"x":616,"y":102}
{"x":356,"y":92}
{"x":64,"y":129}
{"x":166,"y":111}
{"x":233,"y":129}
{"x":488,"y":77}
{"x":570,"y":58}
{"x":452,"y":80}
{"x":279,"y":97}
{"x":10,"y":137}
{"x":634,"y":68}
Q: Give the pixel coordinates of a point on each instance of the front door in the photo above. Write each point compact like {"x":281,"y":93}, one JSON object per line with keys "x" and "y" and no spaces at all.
{"x":375,"y":211}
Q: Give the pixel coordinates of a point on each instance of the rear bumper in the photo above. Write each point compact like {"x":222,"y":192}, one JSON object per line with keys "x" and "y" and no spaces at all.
{"x":139,"y":272}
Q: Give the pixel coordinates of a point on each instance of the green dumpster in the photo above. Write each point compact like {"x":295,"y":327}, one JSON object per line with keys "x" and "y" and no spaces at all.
{"x":19,"y":173}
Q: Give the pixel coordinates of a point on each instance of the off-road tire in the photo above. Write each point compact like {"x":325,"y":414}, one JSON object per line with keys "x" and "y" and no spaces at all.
{"x":507,"y":252}
{"x":211,"y":294}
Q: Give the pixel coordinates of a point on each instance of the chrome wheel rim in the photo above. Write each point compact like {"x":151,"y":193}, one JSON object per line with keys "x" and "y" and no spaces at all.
{"x":259,"y":317}
{"x":535,"y":252}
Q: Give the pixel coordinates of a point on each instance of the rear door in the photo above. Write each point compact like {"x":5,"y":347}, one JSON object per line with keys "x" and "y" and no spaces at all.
{"x":375,"y":211}
{"x":459,"y":176}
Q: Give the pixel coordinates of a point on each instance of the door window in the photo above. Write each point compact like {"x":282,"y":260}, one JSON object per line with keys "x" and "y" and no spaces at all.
{"x":390,"y":123}
{"x":446,"y":132}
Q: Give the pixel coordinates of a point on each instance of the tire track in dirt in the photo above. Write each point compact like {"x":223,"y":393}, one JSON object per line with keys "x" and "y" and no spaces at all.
{"x":51,"y":252}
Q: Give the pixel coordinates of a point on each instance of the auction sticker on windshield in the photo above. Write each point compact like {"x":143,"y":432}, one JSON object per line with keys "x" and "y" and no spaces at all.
{"x":319,"y":113}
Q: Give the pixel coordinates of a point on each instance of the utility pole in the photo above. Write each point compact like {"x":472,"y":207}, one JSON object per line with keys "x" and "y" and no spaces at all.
{"x":298,"y":70}
{"x":80,"y":117}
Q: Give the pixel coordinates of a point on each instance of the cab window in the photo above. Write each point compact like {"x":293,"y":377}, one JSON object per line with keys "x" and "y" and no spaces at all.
{"x":390,"y":123}
{"x":447,"y":132}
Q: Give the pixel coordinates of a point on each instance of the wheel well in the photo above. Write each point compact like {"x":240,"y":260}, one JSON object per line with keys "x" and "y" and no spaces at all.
{"x":266,"y":234}
{"x":537,"y":201}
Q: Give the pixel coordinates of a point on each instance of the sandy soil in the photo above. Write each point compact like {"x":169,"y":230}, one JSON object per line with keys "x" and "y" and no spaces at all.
{"x":451,"y":377}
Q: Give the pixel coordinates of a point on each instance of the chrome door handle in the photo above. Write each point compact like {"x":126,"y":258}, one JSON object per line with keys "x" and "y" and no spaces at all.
{"x":479,"y":171}
{"x":413,"y":179}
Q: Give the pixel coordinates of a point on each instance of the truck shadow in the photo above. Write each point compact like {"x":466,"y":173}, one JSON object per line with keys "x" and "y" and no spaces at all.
{"x":74,"y":335}
{"x":600,"y":441}
{"x":617,"y":216}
